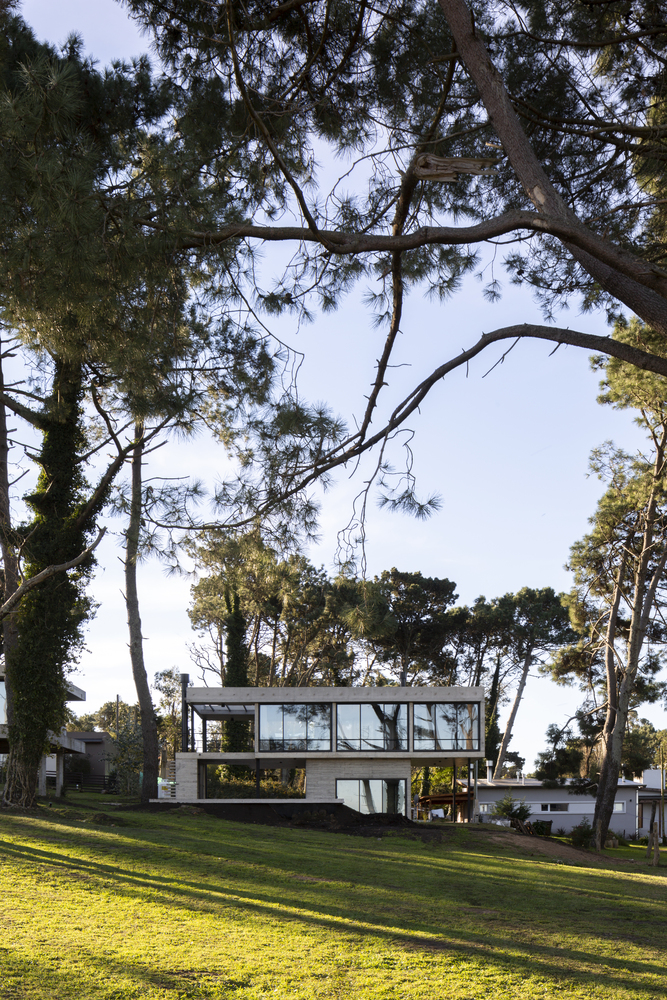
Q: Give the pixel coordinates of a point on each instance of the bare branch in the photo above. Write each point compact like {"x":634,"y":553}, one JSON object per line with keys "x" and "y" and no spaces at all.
{"x":45,"y":574}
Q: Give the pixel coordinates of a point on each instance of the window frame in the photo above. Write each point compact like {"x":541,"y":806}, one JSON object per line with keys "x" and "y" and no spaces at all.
{"x":293,"y":745}
{"x":402,"y":747}
{"x":458,"y":745}
{"x":383,"y":781}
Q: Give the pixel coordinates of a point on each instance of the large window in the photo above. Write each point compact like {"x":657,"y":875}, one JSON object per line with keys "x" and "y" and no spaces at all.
{"x":3,"y":703}
{"x":448,"y":726}
{"x":373,"y":795}
{"x":294,"y":727}
{"x":372,"y":727}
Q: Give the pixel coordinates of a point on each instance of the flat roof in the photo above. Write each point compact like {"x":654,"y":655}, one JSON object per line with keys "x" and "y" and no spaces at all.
{"x":74,"y":693}
{"x":208,"y":697}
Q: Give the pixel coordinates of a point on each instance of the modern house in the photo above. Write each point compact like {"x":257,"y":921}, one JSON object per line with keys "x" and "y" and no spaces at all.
{"x":357,"y":744}
{"x":60,"y":744}
{"x":557,"y":804}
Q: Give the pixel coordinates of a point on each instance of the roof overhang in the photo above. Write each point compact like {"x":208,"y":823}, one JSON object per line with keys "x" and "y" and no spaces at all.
{"x":230,"y":697}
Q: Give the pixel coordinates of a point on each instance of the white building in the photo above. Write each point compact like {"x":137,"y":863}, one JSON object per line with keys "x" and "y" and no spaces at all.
{"x":651,"y":794}
{"x":558,"y":805}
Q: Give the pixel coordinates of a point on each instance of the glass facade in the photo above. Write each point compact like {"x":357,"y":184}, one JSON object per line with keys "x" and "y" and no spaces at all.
{"x":294,"y":727}
{"x":372,"y":727}
{"x":446,"y":726}
{"x":373,"y":795}
{"x":3,"y":703}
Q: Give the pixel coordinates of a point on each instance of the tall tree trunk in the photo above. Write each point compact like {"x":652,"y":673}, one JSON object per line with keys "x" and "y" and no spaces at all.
{"x":492,"y":735}
{"x":237,"y":732}
{"x":507,"y":736}
{"x":151,"y":750}
{"x":620,"y":698}
{"x":7,"y":547}
{"x":611,"y":759}
{"x":49,"y":618}
{"x":626,"y":277}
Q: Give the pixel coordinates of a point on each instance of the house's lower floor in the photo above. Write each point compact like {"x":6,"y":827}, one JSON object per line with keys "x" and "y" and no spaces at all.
{"x":368,"y":786}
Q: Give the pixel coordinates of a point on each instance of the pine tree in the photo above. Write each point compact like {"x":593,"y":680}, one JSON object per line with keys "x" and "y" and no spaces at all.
{"x":620,"y":571}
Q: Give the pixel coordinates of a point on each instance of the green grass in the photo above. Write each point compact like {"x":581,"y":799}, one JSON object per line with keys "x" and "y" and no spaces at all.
{"x":181,"y":906}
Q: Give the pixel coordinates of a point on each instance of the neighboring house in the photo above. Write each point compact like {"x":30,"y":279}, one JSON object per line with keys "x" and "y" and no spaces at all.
{"x":357,"y":744}
{"x":61,"y":744}
{"x":556,"y":804}
{"x":94,"y":767}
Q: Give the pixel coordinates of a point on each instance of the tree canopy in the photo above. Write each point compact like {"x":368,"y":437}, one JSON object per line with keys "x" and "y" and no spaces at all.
{"x":539,"y":125}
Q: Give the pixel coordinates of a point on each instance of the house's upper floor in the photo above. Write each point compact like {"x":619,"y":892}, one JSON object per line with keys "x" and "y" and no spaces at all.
{"x":434,"y":722}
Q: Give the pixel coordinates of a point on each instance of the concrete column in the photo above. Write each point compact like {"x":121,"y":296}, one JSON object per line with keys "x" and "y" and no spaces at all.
{"x":186,"y":776}
{"x":41,"y":777}
{"x":60,"y":774}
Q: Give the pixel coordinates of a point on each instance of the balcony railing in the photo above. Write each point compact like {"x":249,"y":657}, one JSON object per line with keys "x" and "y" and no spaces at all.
{"x":216,"y":744}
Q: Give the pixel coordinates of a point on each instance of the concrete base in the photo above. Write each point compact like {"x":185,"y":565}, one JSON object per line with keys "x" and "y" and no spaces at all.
{"x":264,"y":802}
{"x":264,"y":811}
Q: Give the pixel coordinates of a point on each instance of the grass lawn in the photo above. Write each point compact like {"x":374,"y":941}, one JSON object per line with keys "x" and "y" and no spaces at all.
{"x":183,"y":906}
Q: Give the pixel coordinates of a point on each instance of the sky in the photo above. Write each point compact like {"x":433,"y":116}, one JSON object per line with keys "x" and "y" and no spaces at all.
{"x":507,"y":451}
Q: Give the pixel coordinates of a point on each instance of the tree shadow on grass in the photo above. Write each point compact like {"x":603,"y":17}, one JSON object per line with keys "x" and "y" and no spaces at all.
{"x":360,"y":917}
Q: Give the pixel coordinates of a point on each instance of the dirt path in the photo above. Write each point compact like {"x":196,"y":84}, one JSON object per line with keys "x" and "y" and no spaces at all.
{"x":563,"y":852}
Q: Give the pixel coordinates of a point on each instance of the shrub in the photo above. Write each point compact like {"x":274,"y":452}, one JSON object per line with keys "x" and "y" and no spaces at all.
{"x":509,"y":808}
{"x":582,"y":834}
{"x":622,"y":841}
{"x":542,"y":827}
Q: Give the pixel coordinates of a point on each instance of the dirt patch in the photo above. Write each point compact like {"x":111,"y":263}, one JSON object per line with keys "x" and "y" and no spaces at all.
{"x":310,"y":878}
{"x":554,"y":849}
{"x":103,"y":819}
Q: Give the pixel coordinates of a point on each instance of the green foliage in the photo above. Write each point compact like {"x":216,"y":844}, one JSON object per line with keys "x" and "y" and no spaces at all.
{"x":582,"y":834}
{"x":561,"y":761}
{"x":542,"y":827}
{"x":104,"y":719}
{"x":49,"y":619}
{"x":126,"y":759}
{"x":167,"y":683}
{"x":621,"y":583}
{"x":509,"y":808}
{"x":299,"y":625}
{"x":513,"y":765}
{"x":82,"y":282}
{"x":576,"y":760}
{"x":221,"y":784}
{"x":492,"y":734}
{"x":431,"y":780}
{"x":419,"y":625}
{"x":236,"y":674}
{"x":641,"y":747}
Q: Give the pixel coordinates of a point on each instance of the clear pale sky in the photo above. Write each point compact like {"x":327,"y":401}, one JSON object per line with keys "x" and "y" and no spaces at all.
{"x":507,"y":452}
